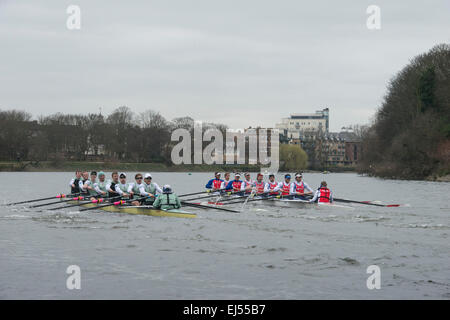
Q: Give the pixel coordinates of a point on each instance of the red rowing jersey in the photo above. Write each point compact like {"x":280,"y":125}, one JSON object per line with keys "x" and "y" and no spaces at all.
{"x":259,"y":186}
{"x":217,"y":183}
{"x":286,"y":189}
{"x":299,"y":187}
{"x":236,"y":185}
{"x":324,"y":195}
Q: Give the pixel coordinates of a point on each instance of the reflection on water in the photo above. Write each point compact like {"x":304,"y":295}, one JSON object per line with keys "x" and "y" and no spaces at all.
{"x":264,"y":252}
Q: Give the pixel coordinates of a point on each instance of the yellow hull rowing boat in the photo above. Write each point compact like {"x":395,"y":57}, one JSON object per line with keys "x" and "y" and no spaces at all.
{"x":143,"y":210}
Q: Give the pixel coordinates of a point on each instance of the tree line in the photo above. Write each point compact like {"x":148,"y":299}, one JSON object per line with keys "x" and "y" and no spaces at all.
{"x":410,"y":136}
{"x":122,"y":136}
{"x":119,"y":136}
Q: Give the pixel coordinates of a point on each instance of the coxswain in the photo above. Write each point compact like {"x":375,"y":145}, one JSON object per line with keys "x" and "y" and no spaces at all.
{"x":299,"y":187}
{"x":111,"y":186}
{"x":272,"y":187}
{"x":216,"y":183}
{"x":323,"y":194}
{"x":167,"y":200}
{"x":134,"y":189}
{"x":149,"y":190}
{"x":247,"y":184}
{"x":259,"y":185}
{"x":235,"y":185}
{"x":75,"y":183}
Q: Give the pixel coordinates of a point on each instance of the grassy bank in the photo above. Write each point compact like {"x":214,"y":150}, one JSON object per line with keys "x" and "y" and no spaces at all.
{"x":49,"y":166}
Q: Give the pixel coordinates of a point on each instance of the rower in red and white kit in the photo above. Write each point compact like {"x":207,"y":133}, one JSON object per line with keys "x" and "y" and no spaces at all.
{"x":235,"y":185}
{"x":259,"y":185}
{"x":272,"y":187}
{"x":247,"y":184}
{"x":323,"y":194}
{"x":285,"y":186}
{"x":216,"y":183}
{"x":300,"y":188}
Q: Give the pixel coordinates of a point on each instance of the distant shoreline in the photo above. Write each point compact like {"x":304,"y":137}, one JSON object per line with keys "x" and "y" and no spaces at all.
{"x":49,"y":166}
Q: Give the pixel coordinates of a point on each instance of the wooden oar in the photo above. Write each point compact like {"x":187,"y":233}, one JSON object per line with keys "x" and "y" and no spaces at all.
{"x":60,"y":201}
{"x":188,"y":204}
{"x":42,"y":199}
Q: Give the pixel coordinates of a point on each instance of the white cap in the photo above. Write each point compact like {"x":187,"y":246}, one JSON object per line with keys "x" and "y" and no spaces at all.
{"x":237,"y":174}
{"x":298,"y":175}
{"x":122,"y":174}
{"x":147,"y":175}
{"x":167,"y":188}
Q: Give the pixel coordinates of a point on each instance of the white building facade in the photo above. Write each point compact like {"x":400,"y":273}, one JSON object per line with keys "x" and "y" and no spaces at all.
{"x":299,"y":123}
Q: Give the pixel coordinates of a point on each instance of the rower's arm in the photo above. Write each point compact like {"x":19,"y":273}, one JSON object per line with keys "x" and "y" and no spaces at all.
{"x":209,"y":184}
{"x":118,"y":190}
{"x":158,"y":189}
{"x":307,"y":187}
{"x":130,"y":187}
{"x":142,"y":191}
{"x":316,"y":195}
{"x":71,"y":181}
{"x":292,"y":190}
{"x":97,"y":188}
{"x":278,"y":187}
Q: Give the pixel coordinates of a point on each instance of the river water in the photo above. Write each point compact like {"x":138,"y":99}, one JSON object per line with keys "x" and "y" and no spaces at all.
{"x":264,"y":252}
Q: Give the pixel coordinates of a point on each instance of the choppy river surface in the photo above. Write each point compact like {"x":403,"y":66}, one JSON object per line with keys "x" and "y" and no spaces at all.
{"x":264,"y":252}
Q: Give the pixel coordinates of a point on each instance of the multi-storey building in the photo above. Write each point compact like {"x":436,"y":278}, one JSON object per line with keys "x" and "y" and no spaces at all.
{"x":296,"y":124}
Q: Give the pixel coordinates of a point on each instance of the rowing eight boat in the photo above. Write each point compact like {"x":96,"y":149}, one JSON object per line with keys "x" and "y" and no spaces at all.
{"x":142,"y":210}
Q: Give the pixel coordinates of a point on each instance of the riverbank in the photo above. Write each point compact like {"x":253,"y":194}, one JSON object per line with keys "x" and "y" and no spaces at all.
{"x":51,"y":166}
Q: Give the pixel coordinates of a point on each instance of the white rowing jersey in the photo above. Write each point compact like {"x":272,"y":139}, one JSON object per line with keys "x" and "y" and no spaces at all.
{"x":145,"y":189}
{"x":224,"y":184}
{"x":121,"y":188}
{"x":134,"y":187}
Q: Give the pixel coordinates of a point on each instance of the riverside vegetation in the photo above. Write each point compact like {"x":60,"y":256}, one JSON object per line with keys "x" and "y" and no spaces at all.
{"x":410,"y":136}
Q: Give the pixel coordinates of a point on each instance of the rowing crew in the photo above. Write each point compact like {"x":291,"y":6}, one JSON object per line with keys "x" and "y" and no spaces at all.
{"x":297,"y":189}
{"x":141,"y":192}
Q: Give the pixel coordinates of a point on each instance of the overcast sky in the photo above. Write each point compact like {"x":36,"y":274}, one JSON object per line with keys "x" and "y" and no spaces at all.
{"x":242,"y":63}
